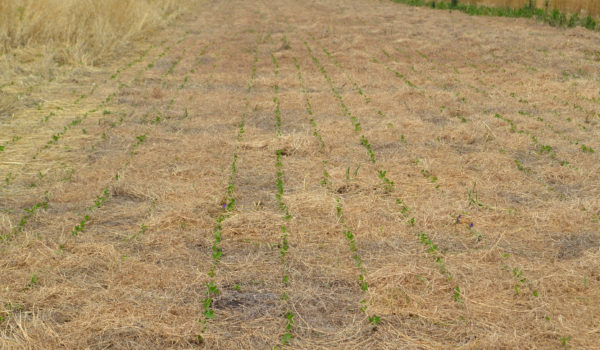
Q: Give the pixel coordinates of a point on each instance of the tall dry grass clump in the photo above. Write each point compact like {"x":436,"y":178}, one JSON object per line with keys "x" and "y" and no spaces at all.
{"x":79,"y":31}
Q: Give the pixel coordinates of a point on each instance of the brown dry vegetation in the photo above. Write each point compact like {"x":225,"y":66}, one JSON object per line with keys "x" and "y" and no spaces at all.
{"x":425,"y":86}
{"x":39,"y":37}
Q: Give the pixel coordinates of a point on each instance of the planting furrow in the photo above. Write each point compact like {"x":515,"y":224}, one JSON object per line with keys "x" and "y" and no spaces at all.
{"x":161,"y":117}
{"x":433,"y":249}
{"x":56,"y":111}
{"x":283,"y":244}
{"x":228,"y":206}
{"x":347,"y":231}
{"x":78,"y":121}
{"x":44,"y":203}
{"x":549,"y":126}
{"x":541,"y":149}
{"x":388,"y":183}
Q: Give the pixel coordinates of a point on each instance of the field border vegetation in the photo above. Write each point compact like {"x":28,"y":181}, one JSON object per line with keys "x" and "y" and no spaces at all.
{"x":553,"y":17}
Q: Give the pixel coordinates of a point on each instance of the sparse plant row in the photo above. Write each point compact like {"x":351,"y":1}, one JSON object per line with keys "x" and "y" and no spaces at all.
{"x":584,"y":148}
{"x":82,"y":224}
{"x":381,"y":173}
{"x":309,"y":109}
{"x":580,"y":145}
{"x":346,"y":74}
{"x":197,"y":62}
{"x":140,"y":139}
{"x":410,"y":221}
{"x":520,"y":281}
{"x":102,"y":199}
{"x":412,"y":67}
{"x":283,"y":250}
{"x":106,"y":193}
{"x":541,"y":148}
{"x":347,"y":231}
{"x":276,"y":96}
{"x":283,"y":244}
{"x":404,"y":209}
{"x":195,"y":65}
{"x":228,"y":206}
{"x":29,"y":212}
{"x":396,"y":73}
{"x":344,"y":71}
{"x":51,"y":114}
{"x":335,"y":92}
{"x":346,"y":111}
{"x":79,"y":120}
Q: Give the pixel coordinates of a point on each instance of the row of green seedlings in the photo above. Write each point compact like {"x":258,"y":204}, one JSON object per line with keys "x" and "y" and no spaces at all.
{"x":309,"y":109}
{"x":79,"y":120}
{"x":472,"y":194}
{"x":81,"y":226}
{"x":287,"y":336}
{"x":347,"y":75}
{"x":412,"y":67}
{"x":29,"y":213}
{"x":197,"y":62}
{"x":583,"y":147}
{"x":548,"y":125}
{"x":432,"y":248}
{"x":542,"y":149}
{"x":143,"y":227}
{"x":195,"y":65}
{"x":396,"y":73}
{"x":111,"y":124}
{"x":347,"y":231}
{"x":106,"y":193}
{"x":341,"y":68}
{"x":364,"y":141}
{"x":51,"y":114}
{"x":57,"y":136}
{"x":589,"y":113}
{"x":212,"y":290}
{"x":521,"y":282}
{"x":104,"y":197}
{"x":276,"y":96}
{"x":388,"y":184}
{"x":382,"y":174}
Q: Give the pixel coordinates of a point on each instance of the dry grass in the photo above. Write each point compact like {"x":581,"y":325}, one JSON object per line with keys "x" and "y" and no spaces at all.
{"x":527,"y":270}
{"x":80,"y":31}
{"x":42,"y":40}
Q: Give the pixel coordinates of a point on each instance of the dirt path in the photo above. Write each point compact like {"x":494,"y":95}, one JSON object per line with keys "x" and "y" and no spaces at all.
{"x":321,"y":175}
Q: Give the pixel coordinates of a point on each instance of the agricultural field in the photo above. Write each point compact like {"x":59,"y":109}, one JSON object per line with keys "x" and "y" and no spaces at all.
{"x":323,"y":174}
